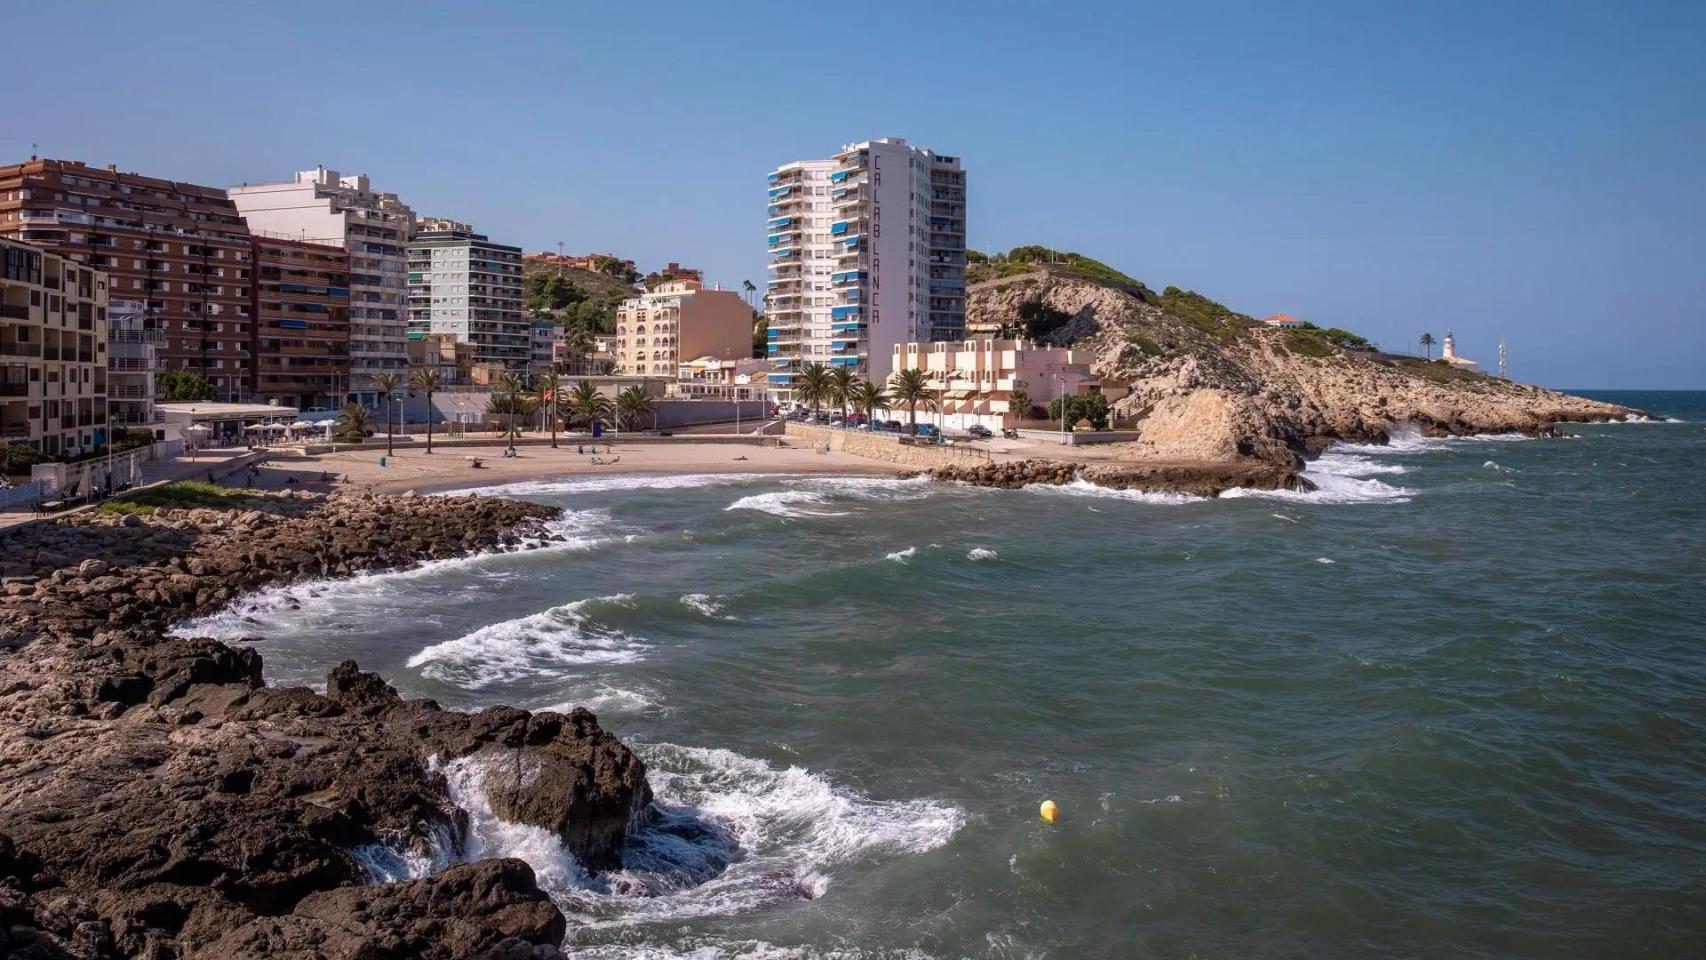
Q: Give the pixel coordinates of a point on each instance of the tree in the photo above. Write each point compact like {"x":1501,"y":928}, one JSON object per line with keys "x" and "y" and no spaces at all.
{"x":1092,"y":407}
{"x":910,"y":387}
{"x":183,"y":386}
{"x":868,"y":397}
{"x":354,"y":422}
{"x":747,"y":289}
{"x":632,"y":403}
{"x":813,"y":386}
{"x":840,"y":389}
{"x":426,"y":380}
{"x":545,"y":392}
{"x":1019,"y":401}
{"x":585,"y":404}
{"x":760,"y":335}
{"x":510,"y":394}
{"x":388,"y":384}
{"x":550,"y":291}
{"x":1427,"y":343}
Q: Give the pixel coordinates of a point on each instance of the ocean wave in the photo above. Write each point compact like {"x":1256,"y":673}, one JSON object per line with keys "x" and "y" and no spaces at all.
{"x":605,"y":698}
{"x":1084,"y":488}
{"x":817,"y":492}
{"x":551,"y":644}
{"x":902,"y":556}
{"x":712,"y":948}
{"x":704,"y":603}
{"x":727,"y":834}
{"x":608,"y":482}
{"x":981,"y":553}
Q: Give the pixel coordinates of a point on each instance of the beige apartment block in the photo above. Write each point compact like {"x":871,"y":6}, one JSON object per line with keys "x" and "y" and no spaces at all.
{"x":680,"y":320}
{"x":53,"y":351}
{"x":975,"y":380}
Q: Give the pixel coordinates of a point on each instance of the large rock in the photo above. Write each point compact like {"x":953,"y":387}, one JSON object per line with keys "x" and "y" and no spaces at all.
{"x":168,"y":804}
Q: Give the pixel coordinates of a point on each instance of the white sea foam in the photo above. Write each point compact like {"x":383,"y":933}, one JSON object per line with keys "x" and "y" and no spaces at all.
{"x":728,"y":834}
{"x":705,"y":604}
{"x":606,"y":698}
{"x":616,"y":481}
{"x":981,"y":553}
{"x":551,"y":644}
{"x":1339,"y":478}
{"x":902,"y":556}
{"x":1084,"y":488}
{"x":815,"y":496}
{"x":1324,"y":560}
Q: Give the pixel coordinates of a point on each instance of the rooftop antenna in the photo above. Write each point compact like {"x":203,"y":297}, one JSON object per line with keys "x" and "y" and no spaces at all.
{"x":1502,"y":371}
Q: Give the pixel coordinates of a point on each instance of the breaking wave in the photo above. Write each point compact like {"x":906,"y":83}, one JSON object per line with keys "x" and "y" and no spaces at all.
{"x":727,"y":834}
{"x":1339,"y":478}
{"x":902,"y":556}
{"x":548,"y":645}
{"x":608,"y":482}
{"x":981,"y":553}
{"x":706,"y":605}
{"x":1084,"y":488}
{"x":823,"y":493}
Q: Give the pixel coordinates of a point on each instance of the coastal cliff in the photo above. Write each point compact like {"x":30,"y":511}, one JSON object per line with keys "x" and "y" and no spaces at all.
{"x":1208,"y":384}
{"x":157,"y":799}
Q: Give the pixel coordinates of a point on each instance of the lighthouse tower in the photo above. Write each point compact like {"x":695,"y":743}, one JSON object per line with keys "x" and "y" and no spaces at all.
{"x":1448,"y":350}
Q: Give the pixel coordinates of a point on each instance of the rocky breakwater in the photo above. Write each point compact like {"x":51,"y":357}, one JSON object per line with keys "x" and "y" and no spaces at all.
{"x":158,"y":800}
{"x":1199,"y":479}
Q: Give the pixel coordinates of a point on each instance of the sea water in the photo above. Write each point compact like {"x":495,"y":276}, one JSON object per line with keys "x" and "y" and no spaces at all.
{"x":1453,"y":704}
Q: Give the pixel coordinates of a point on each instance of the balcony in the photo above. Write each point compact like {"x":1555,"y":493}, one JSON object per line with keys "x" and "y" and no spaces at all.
{"x":841,"y":313}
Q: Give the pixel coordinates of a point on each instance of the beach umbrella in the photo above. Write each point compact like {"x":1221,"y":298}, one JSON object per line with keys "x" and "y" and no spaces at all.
{"x":277,"y":427}
{"x":197,"y":428}
{"x":251,"y":428}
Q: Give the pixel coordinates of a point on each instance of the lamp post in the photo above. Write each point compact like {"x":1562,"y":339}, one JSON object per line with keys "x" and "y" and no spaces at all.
{"x":1062,"y":380}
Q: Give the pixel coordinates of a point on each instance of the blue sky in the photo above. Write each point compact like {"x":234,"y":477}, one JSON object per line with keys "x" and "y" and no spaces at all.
{"x":1532,"y":171}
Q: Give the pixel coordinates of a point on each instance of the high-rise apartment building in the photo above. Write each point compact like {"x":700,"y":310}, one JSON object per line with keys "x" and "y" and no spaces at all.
{"x":463,"y":284}
{"x":53,"y":351}
{"x":867,"y":250}
{"x":301,"y":323}
{"x":176,"y":255}
{"x":322,"y":206}
{"x":679,"y":321}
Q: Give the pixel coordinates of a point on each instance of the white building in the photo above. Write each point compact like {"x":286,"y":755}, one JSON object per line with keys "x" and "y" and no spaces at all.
{"x":321,"y":206}
{"x":543,"y":337}
{"x":867,"y":250}
{"x":1448,"y":353}
{"x":462,"y":284}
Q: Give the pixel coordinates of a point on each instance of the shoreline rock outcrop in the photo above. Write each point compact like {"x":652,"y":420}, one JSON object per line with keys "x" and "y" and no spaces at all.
{"x":157,"y":799}
{"x":1199,"y":479}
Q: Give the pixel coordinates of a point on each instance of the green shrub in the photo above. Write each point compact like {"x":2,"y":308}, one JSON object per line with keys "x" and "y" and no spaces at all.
{"x":1308,"y":343}
{"x":19,"y":458}
{"x":182,"y":495}
{"x":1040,"y":319}
{"x":1092,"y":407}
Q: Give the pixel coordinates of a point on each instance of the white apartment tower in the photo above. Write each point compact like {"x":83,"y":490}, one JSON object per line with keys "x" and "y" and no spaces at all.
{"x":463,"y":284}
{"x":867,"y":250}
{"x":321,"y":206}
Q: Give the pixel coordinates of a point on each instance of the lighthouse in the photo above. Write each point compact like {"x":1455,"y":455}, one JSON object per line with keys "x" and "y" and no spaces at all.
{"x":1448,"y":353}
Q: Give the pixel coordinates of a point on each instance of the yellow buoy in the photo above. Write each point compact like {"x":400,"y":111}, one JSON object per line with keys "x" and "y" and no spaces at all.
{"x":1048,"y":810}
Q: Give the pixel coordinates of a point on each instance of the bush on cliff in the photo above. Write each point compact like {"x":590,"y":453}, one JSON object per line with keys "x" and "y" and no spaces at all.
{"x":1092,"y":407}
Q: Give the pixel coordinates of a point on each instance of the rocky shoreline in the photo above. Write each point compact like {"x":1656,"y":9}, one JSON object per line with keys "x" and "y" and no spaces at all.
{"x":1191,"y":479}
{"x":158,"y":800}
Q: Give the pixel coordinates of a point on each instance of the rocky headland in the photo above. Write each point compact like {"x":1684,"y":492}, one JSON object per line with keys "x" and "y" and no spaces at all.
{"x":158,"y":800}
{"x":1200,"y":479}
{"x":1202,"y":384}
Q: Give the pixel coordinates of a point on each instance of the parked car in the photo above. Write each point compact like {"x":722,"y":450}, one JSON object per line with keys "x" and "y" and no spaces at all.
{"x":928,"y":430}
{"x":979,"y":431}
{"x":894,"y":425}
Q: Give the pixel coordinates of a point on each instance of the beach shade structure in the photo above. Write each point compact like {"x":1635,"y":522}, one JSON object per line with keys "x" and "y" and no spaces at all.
{"x":251,"y":428}
{"x":198,"y":429}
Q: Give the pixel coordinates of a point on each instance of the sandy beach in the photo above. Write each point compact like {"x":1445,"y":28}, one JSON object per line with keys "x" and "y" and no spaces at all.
{"x":449,"y":468}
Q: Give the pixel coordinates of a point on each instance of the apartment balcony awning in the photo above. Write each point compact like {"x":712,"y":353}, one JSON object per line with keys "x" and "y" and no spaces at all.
{"x":843,"y":361}
{"x":840,"y":175}
{"x":777,"y":193}
{"x":837,"y":313}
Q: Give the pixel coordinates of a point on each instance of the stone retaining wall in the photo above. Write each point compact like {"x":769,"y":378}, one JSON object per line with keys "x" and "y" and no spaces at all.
{"x":927,"y":456}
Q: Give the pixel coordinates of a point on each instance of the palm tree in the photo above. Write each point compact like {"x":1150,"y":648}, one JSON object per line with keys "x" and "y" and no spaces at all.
{"x":632,"y":402}
{"x":1019,"y":401}
{"x":388,"y":384}
{"x":748,"y":289}
{"x":841,"y":381}
{"x":585,"y":404}
{"x":1427,"y":343}
{"x":868,"y":397}
{"x":426,"y":380}
{"x":545,"y":392}
{"x":354,"y":422}
{"x":910,"y":387}
{"x":512,"y":396}
{"x":813,"y":385}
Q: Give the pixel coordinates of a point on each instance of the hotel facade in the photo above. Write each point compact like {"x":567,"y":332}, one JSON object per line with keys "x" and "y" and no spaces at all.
{"x":463,"y":284}
{"x":53,"y":351}
{"x":867,"y":251}
{"x":676,"y":321}
{"x":977,"y":381}
{"x":301,"y":322}
{"x":176,"y":256}
{"x":323,"y":206}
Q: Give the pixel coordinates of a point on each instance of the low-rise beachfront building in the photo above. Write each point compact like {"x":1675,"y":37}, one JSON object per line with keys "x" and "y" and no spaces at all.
{"x":53,"y":351}
{"x":976,"y":381}
{"x":708,"y":378}
{"x":543,"y":336}
{"x":451,"y":358}
{"x":1284,"y":322}
{"x":655,"y":330}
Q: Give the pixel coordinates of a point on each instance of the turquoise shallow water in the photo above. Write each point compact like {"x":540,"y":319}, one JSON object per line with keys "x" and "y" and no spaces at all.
{"x":1452,"y":706}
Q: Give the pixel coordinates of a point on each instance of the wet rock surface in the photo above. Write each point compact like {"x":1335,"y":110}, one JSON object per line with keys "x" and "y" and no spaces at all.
{"x":1199,"y":479}
{"x":158,"y":800}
